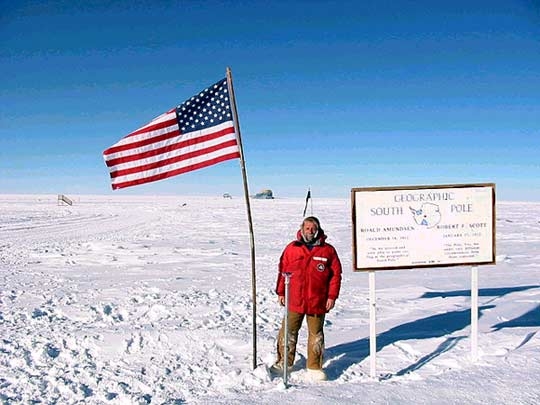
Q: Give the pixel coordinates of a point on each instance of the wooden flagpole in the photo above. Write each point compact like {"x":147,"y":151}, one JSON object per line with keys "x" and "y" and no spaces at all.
{"x":246,"y":195}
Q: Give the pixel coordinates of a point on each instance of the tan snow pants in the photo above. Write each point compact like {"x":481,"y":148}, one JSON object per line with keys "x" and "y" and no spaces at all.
{"x":315,"y":347}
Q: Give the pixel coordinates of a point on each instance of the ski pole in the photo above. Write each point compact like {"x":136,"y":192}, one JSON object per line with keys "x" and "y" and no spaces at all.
{"x":286,"y":332}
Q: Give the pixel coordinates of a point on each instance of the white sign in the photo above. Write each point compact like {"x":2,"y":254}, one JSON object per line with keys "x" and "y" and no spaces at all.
{"x":423,"y":226}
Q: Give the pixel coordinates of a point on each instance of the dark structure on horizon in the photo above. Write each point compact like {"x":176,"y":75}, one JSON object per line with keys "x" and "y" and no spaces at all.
{"x":264,"y":195}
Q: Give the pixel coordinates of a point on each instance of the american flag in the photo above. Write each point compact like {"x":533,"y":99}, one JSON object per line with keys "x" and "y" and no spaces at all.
{"x":196,"y":134}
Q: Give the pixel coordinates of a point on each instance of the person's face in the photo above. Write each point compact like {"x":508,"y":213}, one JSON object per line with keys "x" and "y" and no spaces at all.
{"x":309,"y":230}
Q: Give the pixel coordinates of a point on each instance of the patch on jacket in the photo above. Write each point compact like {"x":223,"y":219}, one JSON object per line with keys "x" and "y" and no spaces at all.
{"x":321,"y":267}
{"x":321,"y":259}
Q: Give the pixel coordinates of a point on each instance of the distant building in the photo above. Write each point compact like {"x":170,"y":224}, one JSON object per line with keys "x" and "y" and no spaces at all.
{"x":62,"y":199}
{"x":265,"y":195}
{"x":227,"y":195}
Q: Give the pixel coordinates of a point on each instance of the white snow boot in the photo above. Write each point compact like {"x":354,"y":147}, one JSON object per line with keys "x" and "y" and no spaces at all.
{"x":316,"y":375}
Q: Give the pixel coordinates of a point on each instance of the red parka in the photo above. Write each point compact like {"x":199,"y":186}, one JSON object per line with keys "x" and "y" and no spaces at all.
{"x":315,"y":275}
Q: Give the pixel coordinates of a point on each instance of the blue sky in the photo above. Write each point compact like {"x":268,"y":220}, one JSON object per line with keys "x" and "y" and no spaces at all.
{"x":331,"y":94}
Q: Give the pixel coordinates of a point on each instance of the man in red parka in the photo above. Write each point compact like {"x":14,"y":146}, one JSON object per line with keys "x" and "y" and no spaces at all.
{"x":315,"y":281}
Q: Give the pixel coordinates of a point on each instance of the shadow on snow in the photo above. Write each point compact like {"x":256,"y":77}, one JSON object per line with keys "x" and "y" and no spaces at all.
{"x":347,"y":354}
{"x":342,"y":356}
{"x":483,"y":292}
{"x":530,"y":318}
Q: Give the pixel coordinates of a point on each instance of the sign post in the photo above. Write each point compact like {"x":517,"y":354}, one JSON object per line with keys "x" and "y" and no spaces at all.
{"x":372,"y":328}
{"x":474,"y":313}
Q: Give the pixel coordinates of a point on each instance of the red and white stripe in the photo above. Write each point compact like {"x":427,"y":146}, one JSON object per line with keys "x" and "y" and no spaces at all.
{"x":159,"y":150}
